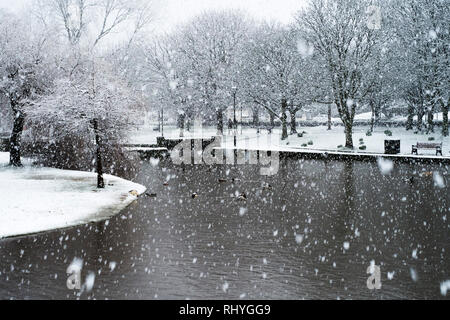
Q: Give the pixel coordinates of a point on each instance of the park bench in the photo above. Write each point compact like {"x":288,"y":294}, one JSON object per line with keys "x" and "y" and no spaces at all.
{"x":427,"y":145}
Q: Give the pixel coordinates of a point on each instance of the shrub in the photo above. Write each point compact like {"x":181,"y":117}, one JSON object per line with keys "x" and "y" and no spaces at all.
{"x":368,"y":133}
{"x":304,"y":145}
{"x":310,"y":143}
{"x":75,"y":153}
{"x":340,"y":146}
{"x":388,"y":133}
{"x":431,"y":139}
{"x":362,"y":148}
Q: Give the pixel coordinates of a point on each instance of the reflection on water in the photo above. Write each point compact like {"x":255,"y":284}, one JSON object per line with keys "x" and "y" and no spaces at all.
{"x":310,"y":232}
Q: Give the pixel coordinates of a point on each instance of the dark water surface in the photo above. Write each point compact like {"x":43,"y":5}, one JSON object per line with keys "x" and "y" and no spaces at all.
{"x":310,"y":235}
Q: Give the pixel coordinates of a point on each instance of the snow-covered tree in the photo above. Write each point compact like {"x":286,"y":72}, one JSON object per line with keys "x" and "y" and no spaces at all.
{"x":24,"y":72}
{"x":273,"y":73}
{"x":340,"y":33}
{"x":166,"y":73}
{"x":92,"y":103}
{"x":422,"y":57}
{"x":211,"y":45}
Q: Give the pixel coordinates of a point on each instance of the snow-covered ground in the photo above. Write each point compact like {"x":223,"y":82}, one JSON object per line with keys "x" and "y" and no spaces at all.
{"x":321,"y":139}
{"x":438,"y":116}
{"x":34,"y":199}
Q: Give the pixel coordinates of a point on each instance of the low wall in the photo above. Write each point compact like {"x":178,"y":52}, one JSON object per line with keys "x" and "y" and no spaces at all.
{"x":158,"y":152}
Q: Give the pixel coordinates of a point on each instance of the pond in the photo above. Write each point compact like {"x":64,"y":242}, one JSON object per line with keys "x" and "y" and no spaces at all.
{"x":309,"y":232}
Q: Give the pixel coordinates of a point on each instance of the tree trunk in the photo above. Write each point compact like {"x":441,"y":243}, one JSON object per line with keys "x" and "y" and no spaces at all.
{"x":372,"y":122}
{"x":188,"y":124}
{"x":219,"y":115}
{"x":347,"y":119}
{"x":284,"y":132}
{"x":293,"y":121}
{"x":329,"y":117}
{"x":430,"y":127}
{"x":181,"y":122}
{"x":348,"y":134}
{"x":410,"y":120}
{"x":255,"y":120}
{"x":444,"y":118}
{"x":377,"y":113}
{"x":16,"y":138}
{"x":161,"y":121}
{"x":372,"y":118}
{"x":272,"y":120}
{"x":420,"y":114}
{"x":100,"y":181}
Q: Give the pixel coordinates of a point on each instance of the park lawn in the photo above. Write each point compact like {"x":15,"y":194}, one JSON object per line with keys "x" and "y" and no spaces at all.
{"x":334,"y":139}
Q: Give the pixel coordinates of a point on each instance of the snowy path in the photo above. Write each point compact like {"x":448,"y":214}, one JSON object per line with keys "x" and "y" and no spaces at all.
{"x":41,"y":199}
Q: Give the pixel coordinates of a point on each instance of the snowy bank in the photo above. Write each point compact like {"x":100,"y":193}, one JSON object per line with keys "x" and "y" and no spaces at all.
{"x":316,"y":139}
{"x":36,"y":199}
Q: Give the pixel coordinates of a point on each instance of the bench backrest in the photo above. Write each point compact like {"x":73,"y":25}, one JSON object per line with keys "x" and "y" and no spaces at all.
{"x":427,"y":145}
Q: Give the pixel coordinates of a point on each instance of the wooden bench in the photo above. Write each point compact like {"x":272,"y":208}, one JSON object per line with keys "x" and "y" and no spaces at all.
{"x":427,"y":145}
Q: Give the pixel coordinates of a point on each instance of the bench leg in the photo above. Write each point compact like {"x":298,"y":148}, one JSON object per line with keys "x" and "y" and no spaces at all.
{"x":439,"y":151}
{"x":414,"y":151}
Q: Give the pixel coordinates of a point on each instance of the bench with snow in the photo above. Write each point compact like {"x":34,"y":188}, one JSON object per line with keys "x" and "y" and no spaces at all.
{"x":427,"y":145}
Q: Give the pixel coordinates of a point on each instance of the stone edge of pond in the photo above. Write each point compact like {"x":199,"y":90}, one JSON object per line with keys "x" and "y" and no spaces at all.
{"x":365,"y":157}
{"x":310,"y":154}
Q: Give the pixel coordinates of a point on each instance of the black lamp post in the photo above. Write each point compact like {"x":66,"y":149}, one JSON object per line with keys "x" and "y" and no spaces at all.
{"x":234,"y":113}
{"x":162,"y":122}
{"x":242,"y":122}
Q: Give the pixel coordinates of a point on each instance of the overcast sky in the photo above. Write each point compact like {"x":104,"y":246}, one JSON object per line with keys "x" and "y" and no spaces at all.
{"x":172,"y":12}
{"x":176,"y":11}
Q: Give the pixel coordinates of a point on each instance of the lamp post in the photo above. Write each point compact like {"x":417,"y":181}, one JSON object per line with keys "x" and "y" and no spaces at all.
{"x":162,"y":122}
{"x":234,"y":115}
{"x":242,"y":123}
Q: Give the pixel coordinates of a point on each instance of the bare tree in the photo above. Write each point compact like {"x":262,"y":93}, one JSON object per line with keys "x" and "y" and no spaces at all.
{"x":94,"y":20}
{"x":339,"y":32}
{"x":23,"y":73}
{"x":422,"y":58}
{"x":272,"y":73}
{"x":211,"y":45}
{"x":166,"y":72}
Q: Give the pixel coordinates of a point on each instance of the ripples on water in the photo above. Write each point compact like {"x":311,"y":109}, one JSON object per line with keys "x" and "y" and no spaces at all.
{"x":310,"y":232}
